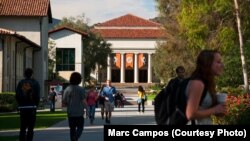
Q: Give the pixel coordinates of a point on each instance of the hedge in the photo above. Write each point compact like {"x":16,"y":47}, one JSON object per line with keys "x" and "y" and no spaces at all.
{"x":8,"y":102}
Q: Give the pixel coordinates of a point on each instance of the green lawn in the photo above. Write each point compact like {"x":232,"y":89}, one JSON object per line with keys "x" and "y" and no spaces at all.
{"x":44,"y":119}
{"x":151,"y":96}
{"x":10,"y":121}
{"x":8,"y":138}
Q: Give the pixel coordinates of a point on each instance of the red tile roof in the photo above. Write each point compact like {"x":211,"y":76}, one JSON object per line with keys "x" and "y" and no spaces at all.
{"x":131,"y":33}
{"x":25,"y":8}
{"x":129,"y":27}
{"x":13,"y":33}
{"x":68,"y":28}
{"x":7,"y":32}
{"x":129,"y":20}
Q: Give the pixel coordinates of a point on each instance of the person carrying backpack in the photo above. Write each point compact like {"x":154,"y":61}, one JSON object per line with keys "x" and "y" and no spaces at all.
{"x":164,"y":102}
{"x":208,"y":66}
{"x":27,"y":97}
{"x":141,"y":99}
{"x":175,"y":82}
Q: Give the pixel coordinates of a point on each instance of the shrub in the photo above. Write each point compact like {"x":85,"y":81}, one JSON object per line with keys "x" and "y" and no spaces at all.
{"x":7,"y":102}
{"x":154,"y":89}
{"x":232,"y":90}
{"x":238,"y":107}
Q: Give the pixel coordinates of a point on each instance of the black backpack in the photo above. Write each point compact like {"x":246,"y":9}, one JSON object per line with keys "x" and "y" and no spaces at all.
{"x":27,"y":90}
{"x":160,"y":107}
{"x":170,"y":108}
{"x":25,"y":94}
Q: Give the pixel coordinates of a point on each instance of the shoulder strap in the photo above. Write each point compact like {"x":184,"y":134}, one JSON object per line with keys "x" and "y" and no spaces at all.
{"x":201,"y":100}
{"x":204,"y":93}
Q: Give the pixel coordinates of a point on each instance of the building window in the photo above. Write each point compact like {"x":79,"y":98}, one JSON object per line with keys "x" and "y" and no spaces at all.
{"x":65,"y":59}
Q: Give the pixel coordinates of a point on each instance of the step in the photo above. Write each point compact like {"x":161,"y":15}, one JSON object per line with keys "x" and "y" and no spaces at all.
{"x":132,"y":85}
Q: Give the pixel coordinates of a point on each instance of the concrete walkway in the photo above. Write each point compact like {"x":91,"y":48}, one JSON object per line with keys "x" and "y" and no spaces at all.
{"x":121,"y":116}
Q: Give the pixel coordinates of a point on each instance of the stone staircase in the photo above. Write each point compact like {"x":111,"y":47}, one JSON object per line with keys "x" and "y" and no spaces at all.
{"x":132,"y":85}
{"x":131,"y":96}
{"x":129,"y":90}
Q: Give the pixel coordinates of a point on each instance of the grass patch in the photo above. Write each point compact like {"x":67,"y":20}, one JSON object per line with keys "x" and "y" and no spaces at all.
{"x":46,"y":119}
{"x":10,"y":121}
{"x":151,"y":97}
{"x":8,"y":138}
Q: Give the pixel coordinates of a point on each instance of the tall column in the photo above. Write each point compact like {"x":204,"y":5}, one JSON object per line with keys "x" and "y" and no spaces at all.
{"x":109,"y":68}
{"x":149,"y":69}
{"x":122,"y":80}
{"x":136,"y":68}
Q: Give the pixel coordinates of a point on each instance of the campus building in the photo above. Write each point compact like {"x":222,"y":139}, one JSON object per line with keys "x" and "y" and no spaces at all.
{"x":68,"y":49}
{"x":23,"y":41}
{"x":133,"y":41}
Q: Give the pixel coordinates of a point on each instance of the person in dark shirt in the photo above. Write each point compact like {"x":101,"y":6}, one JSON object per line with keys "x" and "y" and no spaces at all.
{"x":27,"y":97}
{"x":174,"y":82}
{"x":52,"y":98}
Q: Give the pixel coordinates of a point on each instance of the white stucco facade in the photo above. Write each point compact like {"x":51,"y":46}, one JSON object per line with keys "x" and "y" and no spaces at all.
{"x":15,"y":56}
{"x":36,"y":30}
{"x":69,"y":39}
{"x":29,"y":27}
{"x":132,"y":45}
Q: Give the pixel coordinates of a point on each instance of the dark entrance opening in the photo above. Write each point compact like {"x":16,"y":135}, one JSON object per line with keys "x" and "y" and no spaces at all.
{"x":129,"y":76}
{"x":115,"y":76}
{"x":143,"y":75}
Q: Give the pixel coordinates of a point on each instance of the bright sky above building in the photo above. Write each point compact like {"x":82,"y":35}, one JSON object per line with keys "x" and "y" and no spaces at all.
{"x":98,"y":11}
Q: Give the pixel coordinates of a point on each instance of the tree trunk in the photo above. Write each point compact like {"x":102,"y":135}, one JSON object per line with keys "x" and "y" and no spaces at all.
{"x":243,"y":61}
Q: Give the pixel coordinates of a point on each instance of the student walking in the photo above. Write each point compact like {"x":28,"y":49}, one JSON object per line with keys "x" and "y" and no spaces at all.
{"x":208,"y":66}
{"x":52,"y":98}
{"x":109,"y":92}
{"x":101,"y":101}
{"x":141,"y":99}
{"x":75,"y":100}
{"x":174,"y":82}
{"x":27,"y":96}
{"x":92,"y":97}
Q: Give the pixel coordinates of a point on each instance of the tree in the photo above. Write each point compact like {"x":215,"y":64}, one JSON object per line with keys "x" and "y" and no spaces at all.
{"x":51,"y":59}
{"x":173,"y":50}
{"x":96,"y":52}
{"x":96,"y":49}
{"x":198,"y":25}
{"x":242,"y":56}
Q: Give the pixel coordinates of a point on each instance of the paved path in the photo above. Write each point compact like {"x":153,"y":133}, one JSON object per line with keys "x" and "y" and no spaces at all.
{"x":121,"y":116}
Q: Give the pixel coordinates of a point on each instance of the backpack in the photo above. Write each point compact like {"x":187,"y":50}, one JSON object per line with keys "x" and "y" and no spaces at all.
{"x":160,"y":107}
{"x":25,"y":93}
{"x":170,"y":108}
{"x":27,"y":90}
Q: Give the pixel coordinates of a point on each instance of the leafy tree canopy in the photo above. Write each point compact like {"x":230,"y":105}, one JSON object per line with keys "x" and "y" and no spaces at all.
{"x":193,"y":25}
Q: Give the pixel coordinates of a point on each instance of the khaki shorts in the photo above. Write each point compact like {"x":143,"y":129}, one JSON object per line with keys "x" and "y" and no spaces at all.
{"x":109,"y":106}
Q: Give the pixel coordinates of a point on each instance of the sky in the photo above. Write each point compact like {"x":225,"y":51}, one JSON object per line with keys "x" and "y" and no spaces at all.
{"x":98,"y":11}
